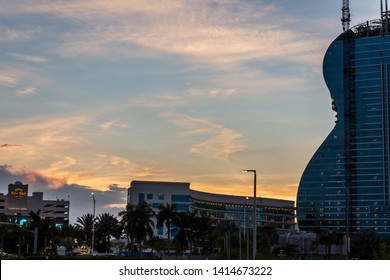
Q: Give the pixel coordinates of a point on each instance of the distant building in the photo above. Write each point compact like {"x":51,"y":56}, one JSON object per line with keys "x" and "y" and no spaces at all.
{"x":237,"y":209}
{"x":159,"y":193}
{"x":17,"y":204}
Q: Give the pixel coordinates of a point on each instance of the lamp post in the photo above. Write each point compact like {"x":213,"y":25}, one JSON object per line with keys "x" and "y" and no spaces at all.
{"x":245,"y":230}
{"x":93,"y":223}
{"x":254,"y":209}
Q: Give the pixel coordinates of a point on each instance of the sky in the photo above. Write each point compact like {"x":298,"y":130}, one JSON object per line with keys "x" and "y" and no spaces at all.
{"x":95,"y":94}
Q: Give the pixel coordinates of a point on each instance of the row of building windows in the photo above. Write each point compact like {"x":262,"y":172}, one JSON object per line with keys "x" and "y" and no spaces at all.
{"x":161,"y":197}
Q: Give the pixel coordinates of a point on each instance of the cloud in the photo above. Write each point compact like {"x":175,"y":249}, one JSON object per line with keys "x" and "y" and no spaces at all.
{"x":22,"y":174}
{"x":111,"y":124}
{"x":9,"y":145}
{"x":217,"y":141}
{"x":212,"y":92}
{"x":20,"y":33}
{"x":218,"y":32}
{"x":29,"y":58}
{"x":111,"y":199}
{"x":8,"y":81}
{"x":163,"y":100}
{"x":27,"y":91}
{"x":44,"y":143}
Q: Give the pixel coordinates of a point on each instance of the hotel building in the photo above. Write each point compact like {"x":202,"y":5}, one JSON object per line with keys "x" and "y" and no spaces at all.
{"x":17,"y":204}
{"x":346,"y":185}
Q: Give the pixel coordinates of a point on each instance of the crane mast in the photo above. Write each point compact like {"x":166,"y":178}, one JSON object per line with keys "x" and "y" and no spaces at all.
{"x":385,"y":17}
{"x":346,"y":16}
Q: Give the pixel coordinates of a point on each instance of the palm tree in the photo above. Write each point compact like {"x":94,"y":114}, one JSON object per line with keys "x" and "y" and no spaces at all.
{"x":21,"y":232}
{"x":328,"y":238}
{"x":144,"y":222}
{"x":137,"y":222}
{"x":226,"y":228}
{"x":49,"y":233}
{"x":206,"y":233}
{"x":106,"y":226}
{"x":186,"y":227}
{"x":85,"y":224}
{"x":128,"y":223}
{"x":3,"y":234}
{"x":167,"y":215}
{"x":35,"y":225}
{"x":68,"y":234}
{"x":267,"y":236}
{"x":383,"y":251}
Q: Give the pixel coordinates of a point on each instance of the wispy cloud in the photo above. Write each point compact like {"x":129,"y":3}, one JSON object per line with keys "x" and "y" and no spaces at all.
{"x":28,"y":58}
{"x":8,"y":81}
{"x":212,"y":92}
{"x":27,"y":91}
{"x":218,"y":141}
{"x":42,"y":140}
{"x":111,"y":124}
{"x":222,"y":32}
{"x":19,"y":34}
{"x":9,"y":145}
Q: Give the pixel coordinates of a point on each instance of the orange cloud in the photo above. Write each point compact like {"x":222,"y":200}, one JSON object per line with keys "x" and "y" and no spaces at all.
{"x":9,"y":145}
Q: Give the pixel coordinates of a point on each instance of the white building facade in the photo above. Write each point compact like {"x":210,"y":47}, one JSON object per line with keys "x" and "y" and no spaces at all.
{"x":238,"y":209}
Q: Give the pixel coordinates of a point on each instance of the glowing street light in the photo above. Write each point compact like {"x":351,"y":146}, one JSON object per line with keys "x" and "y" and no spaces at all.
{"x":254,"y":210}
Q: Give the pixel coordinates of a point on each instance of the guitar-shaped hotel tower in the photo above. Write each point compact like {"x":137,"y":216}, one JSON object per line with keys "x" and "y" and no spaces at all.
{"x":345,"y":186}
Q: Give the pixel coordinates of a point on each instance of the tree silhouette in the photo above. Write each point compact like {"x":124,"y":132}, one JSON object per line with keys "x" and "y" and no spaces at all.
{"x":365,"y":244}
{"x":185,"y":228}
{"x":166,"y":215}
{"x":106,"y":226}
{"x":85,"y":224}
{"x":137,"y":222}
{"x":206,"y":235}
{"x":267,"y":236}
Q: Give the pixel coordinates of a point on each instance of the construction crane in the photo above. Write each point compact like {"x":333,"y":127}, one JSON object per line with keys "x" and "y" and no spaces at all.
{"x":346,"y":17}
{"x":385,"y":17}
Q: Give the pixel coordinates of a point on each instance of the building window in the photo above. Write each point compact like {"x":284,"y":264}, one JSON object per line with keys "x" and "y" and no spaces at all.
{"x":160,"y":196}
{"x":180,"y":198}
{"x":149,"y":196}
{"x":141,"y":197}
{"x":157,"y":205}
{"x":160,"y":231}
{"x":182,"y":207}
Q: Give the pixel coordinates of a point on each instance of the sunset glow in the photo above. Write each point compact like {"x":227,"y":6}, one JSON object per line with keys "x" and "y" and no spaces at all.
{"x":95,"y":94}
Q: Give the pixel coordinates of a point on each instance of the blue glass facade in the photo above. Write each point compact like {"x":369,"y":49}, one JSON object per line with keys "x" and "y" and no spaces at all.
{"x":345,"y":186}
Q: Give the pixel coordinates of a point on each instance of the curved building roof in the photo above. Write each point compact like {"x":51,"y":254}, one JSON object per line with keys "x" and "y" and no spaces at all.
{"x":239,"y":200}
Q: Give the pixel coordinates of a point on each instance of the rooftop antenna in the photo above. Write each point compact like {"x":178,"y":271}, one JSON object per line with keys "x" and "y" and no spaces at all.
{"x":346,"y":18}
{"x":385,"y":17}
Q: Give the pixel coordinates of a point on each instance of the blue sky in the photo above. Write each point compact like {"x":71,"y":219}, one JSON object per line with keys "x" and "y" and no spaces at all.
{"x":95,"y":94}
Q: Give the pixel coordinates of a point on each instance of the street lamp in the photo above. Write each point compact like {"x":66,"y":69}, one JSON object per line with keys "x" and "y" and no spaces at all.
{"x":245,"y":230}
{"x":254,"y":209}
{"x":93,"y":222}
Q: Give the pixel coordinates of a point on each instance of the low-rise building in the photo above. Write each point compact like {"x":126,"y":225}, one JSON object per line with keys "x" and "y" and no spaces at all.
{"x":16,"y":205}
{"x":220,"y":207}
